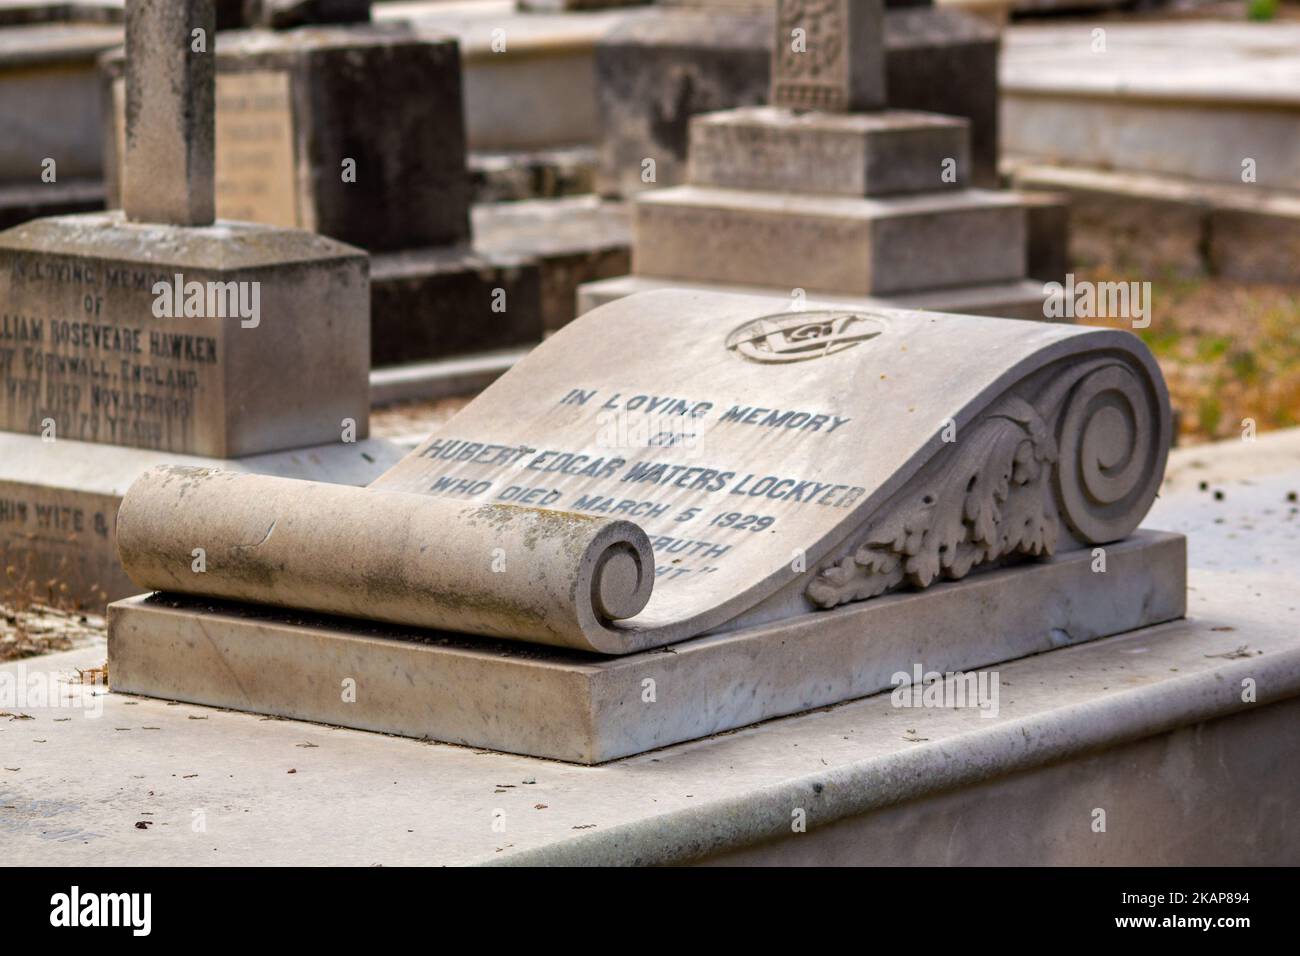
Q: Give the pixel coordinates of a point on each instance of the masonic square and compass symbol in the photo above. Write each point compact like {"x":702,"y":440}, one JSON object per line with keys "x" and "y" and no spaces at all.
{"x":801,"y":336}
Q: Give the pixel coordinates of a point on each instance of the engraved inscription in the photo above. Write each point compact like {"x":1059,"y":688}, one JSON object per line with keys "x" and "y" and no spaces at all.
{"x":79,"y":349}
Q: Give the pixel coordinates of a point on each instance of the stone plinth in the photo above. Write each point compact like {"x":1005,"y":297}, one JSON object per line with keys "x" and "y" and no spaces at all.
{"x":93,"y":349}
{"x":660,"y":67}
{"x":590,"y":710}
{"x":848,"y":154}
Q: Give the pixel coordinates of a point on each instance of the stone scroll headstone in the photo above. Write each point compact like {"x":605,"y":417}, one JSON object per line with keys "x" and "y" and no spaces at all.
{"x":780,"y":465}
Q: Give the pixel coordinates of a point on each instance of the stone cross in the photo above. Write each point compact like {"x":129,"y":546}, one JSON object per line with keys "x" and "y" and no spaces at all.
{"x":170,"y":112}
{"x":829,"y":55}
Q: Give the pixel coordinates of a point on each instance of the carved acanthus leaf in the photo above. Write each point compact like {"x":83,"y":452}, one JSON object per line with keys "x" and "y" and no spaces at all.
{"x":990,"y":499}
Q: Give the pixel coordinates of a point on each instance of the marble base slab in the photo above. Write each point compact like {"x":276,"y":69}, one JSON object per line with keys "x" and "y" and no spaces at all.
{"x":589,"y":709}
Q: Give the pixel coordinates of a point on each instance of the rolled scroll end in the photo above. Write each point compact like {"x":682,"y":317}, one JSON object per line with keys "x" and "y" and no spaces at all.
{"x":390,"y":556}
{"x":623,"y":577}
{"x":1114,"y":435}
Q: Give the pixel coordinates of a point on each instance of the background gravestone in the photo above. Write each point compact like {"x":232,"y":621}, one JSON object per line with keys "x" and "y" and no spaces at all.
{"x":49,"y":107}
{"x":791,"y":201}
{"x":662,"y":66}
{"x":102,"y":376}
{"x":297,"y":108}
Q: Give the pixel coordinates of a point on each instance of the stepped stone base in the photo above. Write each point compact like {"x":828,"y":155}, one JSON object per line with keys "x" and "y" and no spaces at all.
{"x":659,"y":67}
{"x":588,"y":709}
{"x":1018,"y":299}
{"x":845,"y":154}
{"x":59,"y":500}
{"x":833,"y":244}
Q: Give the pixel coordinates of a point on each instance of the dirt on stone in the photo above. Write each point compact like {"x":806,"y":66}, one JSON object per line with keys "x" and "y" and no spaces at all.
{"x":29,"y":629}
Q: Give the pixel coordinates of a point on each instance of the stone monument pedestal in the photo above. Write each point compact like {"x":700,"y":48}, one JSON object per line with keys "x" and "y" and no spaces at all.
{"x":588,"y":709}
{"x":662,"y":66}
{"x":103,"y":375}
{"x":849,"y":207}
{"x":160,"y":333}
{"x":751,"y":514}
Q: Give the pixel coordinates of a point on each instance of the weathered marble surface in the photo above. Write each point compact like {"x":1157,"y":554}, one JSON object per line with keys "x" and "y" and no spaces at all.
{"x":546,"y":702}
{"x":834,"y":244}
{"x":661,"y":66}
{"x":171,"y":336}
{"x":291,"y":107}
{"x":500,"y":570}
{"x":741,"y":494}
{"x":829,"y":55}
{"x":854,"y":478}
{"x":169,"y":133}
{"x":59,"y":503}
{"x":845,"y":154}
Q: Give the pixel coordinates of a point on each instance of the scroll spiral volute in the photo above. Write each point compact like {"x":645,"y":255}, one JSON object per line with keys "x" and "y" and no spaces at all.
{"x":1113,"y":435}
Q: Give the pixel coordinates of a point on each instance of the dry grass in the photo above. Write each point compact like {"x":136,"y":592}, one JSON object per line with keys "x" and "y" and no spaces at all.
{"x":38,"y":629}
{"x":1230,"y":352}
{"x":406,"y":419}
{"x":37,"y":615}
